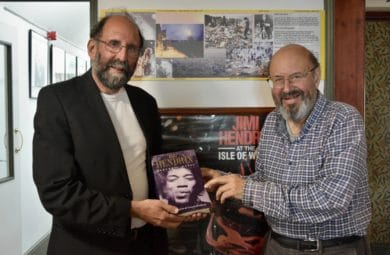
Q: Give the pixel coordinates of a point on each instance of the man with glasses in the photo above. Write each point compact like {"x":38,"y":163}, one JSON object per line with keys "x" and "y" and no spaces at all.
{"x":311,"y":175}
{"x":93,"y":141}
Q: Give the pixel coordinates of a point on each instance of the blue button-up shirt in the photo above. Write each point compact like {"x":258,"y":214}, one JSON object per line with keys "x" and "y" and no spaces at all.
{"x":316,"y":186}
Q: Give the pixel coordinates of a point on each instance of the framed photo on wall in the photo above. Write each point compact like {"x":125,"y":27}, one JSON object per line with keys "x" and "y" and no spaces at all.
{"x":70,"y":66}
{"x":6,"y":112}
{"x":81,"y":66}
{"x":38,"y":62}
{"x":57,"y":64}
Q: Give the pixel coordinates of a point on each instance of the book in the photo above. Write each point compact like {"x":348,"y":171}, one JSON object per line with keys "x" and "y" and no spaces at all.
{"x":179,"y":181}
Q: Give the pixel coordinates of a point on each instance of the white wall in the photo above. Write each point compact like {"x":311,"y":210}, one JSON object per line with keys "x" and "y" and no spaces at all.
{"x":24,"y":222}
{"x":212,"y":93}
{"x":10,"y":192}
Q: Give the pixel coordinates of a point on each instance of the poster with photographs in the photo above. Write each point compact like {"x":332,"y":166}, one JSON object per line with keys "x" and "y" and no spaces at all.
{"x":220,"y":45}
{"x":227,"y":142}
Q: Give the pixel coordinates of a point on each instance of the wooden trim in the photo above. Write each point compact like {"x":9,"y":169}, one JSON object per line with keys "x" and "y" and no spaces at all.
{"x":93,"y":13}
{"x":380,"y":16}
{"x":216,"y":111}
{"x":349,"y":52}
{"x":329,"y":83}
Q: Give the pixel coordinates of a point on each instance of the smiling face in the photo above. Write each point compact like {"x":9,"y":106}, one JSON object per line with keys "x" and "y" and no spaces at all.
{"x":112,"y":70}
{"x":295,"y":99}
{"x":180,"y":184}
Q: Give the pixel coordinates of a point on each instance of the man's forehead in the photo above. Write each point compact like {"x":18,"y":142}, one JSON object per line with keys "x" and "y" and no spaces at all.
{"x":291,"y":57}
{"x":117,"y":23}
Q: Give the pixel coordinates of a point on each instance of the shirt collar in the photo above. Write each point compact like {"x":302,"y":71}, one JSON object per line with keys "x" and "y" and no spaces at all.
{"x":315,"y":113}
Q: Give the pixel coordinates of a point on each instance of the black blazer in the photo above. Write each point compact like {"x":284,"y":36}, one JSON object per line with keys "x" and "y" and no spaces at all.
{"x":78,"y":166}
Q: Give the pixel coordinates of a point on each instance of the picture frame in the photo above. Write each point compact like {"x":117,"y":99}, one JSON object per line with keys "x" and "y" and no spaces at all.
{"x":57,"y":64}
{"x":7,"y":147}
{"x":38,"y":62}
{"x":88,"y":64}
{"x":70,"y":66}
{"x":81,"y":66}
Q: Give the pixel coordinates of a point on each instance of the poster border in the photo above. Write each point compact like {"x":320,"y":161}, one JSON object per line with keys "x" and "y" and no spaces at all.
{"x":216,"y":111}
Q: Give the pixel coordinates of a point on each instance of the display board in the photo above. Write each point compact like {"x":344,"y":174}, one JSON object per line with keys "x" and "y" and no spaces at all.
{"x":224,"y":139}
{"x":220,"y":44}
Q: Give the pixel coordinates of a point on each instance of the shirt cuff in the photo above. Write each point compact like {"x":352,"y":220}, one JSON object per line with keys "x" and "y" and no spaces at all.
{"x":253,"y":191}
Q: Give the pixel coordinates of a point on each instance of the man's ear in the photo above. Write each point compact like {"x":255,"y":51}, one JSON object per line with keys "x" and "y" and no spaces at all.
{"x":92,"y":48}
{"x":317,"y":76}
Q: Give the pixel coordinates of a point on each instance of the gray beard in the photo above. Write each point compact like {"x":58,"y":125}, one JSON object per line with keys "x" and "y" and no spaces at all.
{"x":111,"y":81}
{"x":300,"y":113}
{"x":296,"y":115}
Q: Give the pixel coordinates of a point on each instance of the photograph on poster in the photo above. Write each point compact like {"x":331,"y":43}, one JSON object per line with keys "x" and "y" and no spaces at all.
{"x":146,"y":65}
{"x":179,"y":40}
{"x":38,"y":62}
{"x":146,"y":61}
{"x":263,"y":27}
{"x":219,"y":44}
{"x":228,"y":30}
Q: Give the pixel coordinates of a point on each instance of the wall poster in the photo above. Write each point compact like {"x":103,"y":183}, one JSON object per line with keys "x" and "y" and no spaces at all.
{"x":224,"y":139}
{"x":220,"y":44}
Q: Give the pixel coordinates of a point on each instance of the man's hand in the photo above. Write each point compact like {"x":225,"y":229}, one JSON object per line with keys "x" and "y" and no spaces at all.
{"x":226,"y":186}
{"x":157,"y":213}
{"x":209,"y":173}
{"x":195,"y":217}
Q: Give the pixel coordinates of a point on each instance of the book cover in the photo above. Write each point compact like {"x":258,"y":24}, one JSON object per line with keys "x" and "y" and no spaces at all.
{"x":179,"y":181}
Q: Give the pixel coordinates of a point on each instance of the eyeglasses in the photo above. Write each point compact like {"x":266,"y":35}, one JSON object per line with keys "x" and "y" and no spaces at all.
{"x":295,"y":78}
{"x":115,"y":46}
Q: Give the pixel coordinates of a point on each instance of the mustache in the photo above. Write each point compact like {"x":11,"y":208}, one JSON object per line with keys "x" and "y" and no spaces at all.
{"x":124,"y":65}
{"x":292,"y":93}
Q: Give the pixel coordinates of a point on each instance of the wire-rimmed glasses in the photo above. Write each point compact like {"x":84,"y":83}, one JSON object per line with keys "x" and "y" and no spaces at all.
{"x":115,"y":46}
{"x":278,"y":81}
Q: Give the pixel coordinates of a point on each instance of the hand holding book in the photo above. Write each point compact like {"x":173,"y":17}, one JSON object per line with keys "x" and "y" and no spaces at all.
{"x":156,"y":213}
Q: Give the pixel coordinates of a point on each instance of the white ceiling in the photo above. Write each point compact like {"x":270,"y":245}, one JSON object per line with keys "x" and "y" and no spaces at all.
{"x":69,"y":19}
